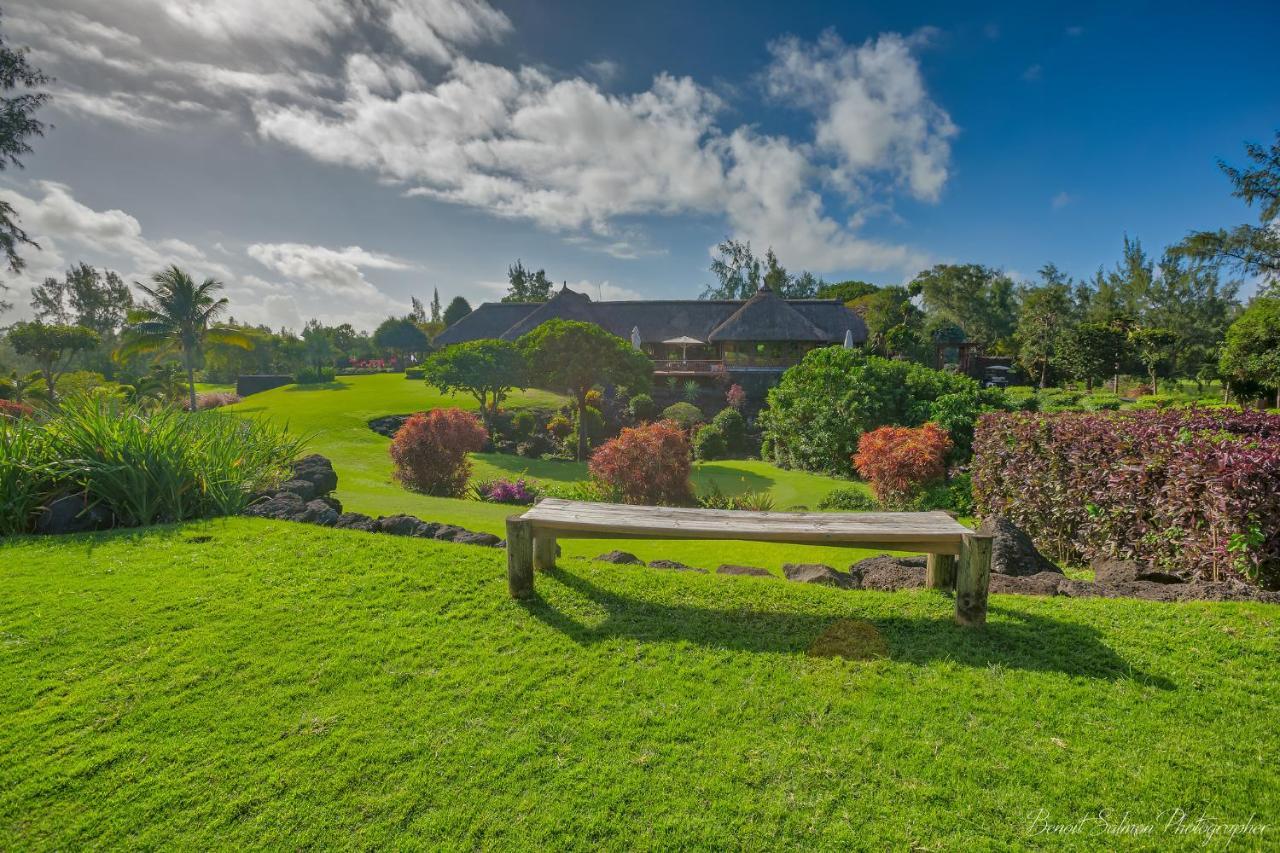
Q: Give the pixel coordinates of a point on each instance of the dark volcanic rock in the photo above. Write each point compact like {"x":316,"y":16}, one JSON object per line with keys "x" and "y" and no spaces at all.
{"x":318,"y":471}
{"x":621,"y":557}
{"x":389,"y":425}
{"x":448,"y":532}
{"x":356,"y":521}
{"x":285,"y":506}
{"x":1041,"y":583}
{"x":751,"y":571}
{"x":887,"y":573}
{"x":304,"y":489}
{"x":399,"y":525}
{"x":72,"y":514}
{"x":1012,"y":551}
{"x":674,"y":565}
{"x":486,"y":539}
{"x":332,"y":502}
{"x":817,"y":573}
{"x":318,"y":512}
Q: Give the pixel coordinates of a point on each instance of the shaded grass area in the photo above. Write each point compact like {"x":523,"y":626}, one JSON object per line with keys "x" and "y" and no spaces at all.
{"x":246,"y":683}
{"x":337,"y":421}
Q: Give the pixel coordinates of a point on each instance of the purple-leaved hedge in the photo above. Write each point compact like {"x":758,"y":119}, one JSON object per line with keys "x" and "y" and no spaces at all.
{"x":1195,"y":489}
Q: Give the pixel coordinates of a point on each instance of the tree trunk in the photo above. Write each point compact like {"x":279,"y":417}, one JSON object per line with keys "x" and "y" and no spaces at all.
{"x":1278,"y":397}
{"x":1155,"y":383}
{"x":1044,"y":372}
{"x":582,"y":426}
{"x":191,"y":378}
{"x":49,"y":381}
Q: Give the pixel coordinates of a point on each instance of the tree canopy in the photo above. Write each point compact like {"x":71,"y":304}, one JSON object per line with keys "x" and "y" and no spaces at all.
{"x":979,"y":300}
{"x":1252,"y":349}
{"x":486,"y":369}
{"x":85,"y":297}
{"x":524,"y":285}
{"x":18,"y":125}
{"x":401,"y":336}
{"x":569,"y":355}
{"x":456,"y":310}
{"x":52,"y":346}
{"x":739,"y":274}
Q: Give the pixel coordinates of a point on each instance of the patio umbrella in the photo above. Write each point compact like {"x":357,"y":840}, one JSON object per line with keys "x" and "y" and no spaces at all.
{"x":848,"y":338}
{"x":684,"y":342}
{"x":635,"y":336}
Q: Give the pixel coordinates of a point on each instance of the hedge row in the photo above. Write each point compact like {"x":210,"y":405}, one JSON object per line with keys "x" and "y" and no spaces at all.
{"x":1194,"y":489}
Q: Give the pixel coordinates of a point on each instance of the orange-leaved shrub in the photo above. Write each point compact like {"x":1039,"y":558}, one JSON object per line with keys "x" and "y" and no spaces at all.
{"x":430,"y":451}
{"x":647,"y":464}
{"x":900,"y":461}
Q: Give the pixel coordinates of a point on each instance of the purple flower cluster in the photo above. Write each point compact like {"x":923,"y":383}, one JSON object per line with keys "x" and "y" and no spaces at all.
{"x":508,"y":492}
{"x":1195,"y":489}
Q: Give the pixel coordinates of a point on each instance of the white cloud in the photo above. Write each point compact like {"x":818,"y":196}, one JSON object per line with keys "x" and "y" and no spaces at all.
{"x":430,"y":28}
{"x":331,"y":281}
{"x":300,"y":22}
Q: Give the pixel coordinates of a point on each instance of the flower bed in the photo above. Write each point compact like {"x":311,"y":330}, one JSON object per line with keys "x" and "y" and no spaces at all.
{"x":1193,"y":489}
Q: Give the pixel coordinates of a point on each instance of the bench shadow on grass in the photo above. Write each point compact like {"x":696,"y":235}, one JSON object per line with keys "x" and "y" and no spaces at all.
{"x":1011,"y":639}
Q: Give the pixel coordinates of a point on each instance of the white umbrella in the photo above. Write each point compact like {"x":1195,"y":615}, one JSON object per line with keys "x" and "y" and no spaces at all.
{"x":635,"y":336}
{"x":848,"y":338}
{"x":684,"y":342}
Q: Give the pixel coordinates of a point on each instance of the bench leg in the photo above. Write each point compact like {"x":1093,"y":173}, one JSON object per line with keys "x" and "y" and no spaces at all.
{"x":544,"y":551}
{"x":519,"y":557}
{"x":973,"y":578}
{"x":940,"y":571}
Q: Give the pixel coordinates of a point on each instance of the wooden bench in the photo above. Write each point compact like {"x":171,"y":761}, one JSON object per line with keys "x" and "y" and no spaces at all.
{"x":959,"y":559}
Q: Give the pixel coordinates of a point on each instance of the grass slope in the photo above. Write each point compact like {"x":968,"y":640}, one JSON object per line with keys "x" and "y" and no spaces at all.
{"x":242,"y":683}
{"x":337,"y":416}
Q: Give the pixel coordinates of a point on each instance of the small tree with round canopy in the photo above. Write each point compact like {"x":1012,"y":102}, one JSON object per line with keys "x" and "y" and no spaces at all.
{"x":574,"y":356}
{"x":52,"y":346}
{"x":486,"y":369}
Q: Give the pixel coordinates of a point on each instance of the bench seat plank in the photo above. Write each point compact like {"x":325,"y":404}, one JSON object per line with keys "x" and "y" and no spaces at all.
{"x":927,"y":532}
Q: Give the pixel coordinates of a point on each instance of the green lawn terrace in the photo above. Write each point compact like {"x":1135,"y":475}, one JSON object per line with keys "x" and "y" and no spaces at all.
{"x":336,"y":416}
{"x":237,"y":683}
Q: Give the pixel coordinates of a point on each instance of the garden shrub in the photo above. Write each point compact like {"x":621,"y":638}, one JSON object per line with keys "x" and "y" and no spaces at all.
{"x":1188,"y":488}
{"x":523,"y":424}
{"x":735,"y":397}
{"x":595,"y":400}
{"x":430,"y":451}
{"x":414,"y":373}
{"x":733,"y":427}
{"x":685,"y":415}
{"x":1102,"y":402}
{"x":560,"y":427}
{"x":647,"y":464}
{"x":216,"y":400}
{"x":849,"y":499}
{"x":597,"y":429}
{"x":643,"y":408}
{"x":146,"y":466}
{"x":823,"y":405}
{"x":312,"y":376}
{"x":10,"y":409}
{"x":502,"y":491}
{"x":709,"y":443}
{"x":714,"y":498}
{"x":900,"y":461}
{"x":955,"y":495}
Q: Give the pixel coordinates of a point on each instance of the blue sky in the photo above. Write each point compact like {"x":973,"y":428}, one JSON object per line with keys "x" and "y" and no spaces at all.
{"x":327,"y":159}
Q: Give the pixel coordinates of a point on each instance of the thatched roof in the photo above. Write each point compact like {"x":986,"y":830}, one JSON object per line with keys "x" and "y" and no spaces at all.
{"x":770,"y":318}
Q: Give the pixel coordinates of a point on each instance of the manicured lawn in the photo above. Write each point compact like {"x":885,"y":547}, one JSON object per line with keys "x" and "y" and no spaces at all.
{"x":337,"y":416}
{"x":241,"y":684}
{"x":210,"y":387}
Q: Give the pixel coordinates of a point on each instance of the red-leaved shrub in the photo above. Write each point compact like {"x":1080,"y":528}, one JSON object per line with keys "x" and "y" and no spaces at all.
{"x":430,"y":451}
{"x":1193,"y":489}
{"x":10,"y":409}
{"x":900,"y":461}
{"x":647,"y":464}
{"x":735,"y":397}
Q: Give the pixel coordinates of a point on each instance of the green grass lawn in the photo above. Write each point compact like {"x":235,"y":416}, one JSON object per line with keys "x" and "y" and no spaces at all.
{"x":210,"y":387}
{"x":336,"y":417}
{"x":241,"y":683}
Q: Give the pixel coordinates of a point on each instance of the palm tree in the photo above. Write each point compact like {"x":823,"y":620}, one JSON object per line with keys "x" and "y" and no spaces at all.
{"x":179,"y":318}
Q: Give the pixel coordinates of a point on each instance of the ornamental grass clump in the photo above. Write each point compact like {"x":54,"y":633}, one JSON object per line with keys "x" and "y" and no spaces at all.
{"x":430,"y":451}
{"x":144,"y":465}
{"x":1192,"y":489}
{"x":899,"y":462}
{"x":647,"y":464}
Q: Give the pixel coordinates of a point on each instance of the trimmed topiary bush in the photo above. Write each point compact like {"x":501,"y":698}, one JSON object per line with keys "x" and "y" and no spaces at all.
{"x":685,"y":415}
{"x":430,"y":451}
{"x":733,"y":427}
{"x":647,"y":464}
{"x":1188,"y":488}
{"x":848,"y":499}
{"x":709,"y":443}
{"x":899,"y":462}
{"x":643,"y":408}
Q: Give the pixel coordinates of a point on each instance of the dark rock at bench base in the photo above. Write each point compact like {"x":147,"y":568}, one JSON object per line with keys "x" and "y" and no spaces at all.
{"x":488,"y":540}
{"x":674,"y":565}
{"x":1012,"y":551}
{"x":619,"y":557}
{"x":817,"y":573}
{"x":331,"y":502}
{"x":1041,"y":583}
{"x":748,"y":571}
{"x":356,"y":521}
{"x":887,"y":573}
{"x":72,"y":514}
